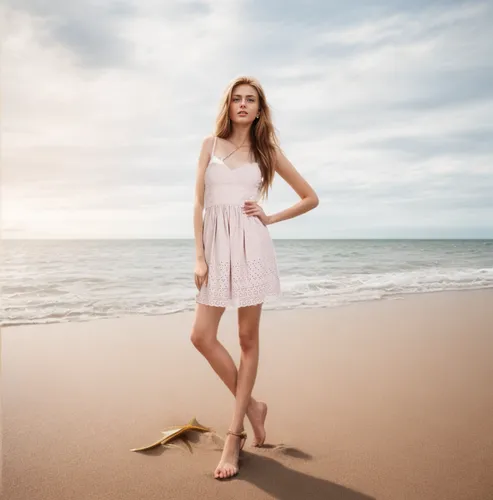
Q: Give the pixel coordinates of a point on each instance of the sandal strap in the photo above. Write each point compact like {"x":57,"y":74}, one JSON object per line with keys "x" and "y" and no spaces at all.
{"x":242,"y":434}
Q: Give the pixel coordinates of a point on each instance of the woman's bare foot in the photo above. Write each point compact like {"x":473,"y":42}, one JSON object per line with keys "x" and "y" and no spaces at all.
{"x":257,"y":412}
{"x":228,"y":465}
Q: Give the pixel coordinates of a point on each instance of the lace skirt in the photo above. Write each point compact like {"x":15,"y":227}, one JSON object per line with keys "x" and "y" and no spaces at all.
{"x":241,"y":259}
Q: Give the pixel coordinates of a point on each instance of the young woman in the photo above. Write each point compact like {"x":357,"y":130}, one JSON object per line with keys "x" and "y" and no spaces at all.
{"x":235,"y":257}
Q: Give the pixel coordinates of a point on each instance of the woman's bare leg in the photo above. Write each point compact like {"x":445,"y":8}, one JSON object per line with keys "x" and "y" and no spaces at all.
{"x":248,"y":323}
{"x":204,"y":338}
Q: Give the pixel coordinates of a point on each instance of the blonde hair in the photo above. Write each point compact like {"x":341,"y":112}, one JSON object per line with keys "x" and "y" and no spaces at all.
{"x":263,"y":138}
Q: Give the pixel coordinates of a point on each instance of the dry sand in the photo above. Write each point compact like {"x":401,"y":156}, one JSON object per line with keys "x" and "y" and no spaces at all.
{"x":382,"y":400}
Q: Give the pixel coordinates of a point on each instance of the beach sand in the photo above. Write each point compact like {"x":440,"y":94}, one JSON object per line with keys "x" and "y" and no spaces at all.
{"x":379,"y":400}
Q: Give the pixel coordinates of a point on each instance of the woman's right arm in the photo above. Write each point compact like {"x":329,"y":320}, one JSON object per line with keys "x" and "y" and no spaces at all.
{"x":200,"y":264}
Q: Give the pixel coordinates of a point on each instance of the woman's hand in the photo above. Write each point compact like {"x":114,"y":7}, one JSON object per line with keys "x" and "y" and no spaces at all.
{"x":253,"y":208}
{"x":201,"y":273}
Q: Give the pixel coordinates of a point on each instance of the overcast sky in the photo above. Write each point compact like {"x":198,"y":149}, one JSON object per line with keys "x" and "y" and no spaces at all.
{"x":385,"y":107}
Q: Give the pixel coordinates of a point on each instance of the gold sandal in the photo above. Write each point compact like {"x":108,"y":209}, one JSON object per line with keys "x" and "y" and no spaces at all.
{"x":242,"y":435}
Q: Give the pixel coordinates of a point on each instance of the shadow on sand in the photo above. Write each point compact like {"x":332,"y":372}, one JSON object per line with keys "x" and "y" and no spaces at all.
{"x":284,"y":483}
{"x":277,"y":480}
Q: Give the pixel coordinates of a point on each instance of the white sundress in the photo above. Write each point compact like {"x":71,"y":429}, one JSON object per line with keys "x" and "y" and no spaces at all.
{"x":238,"y":249}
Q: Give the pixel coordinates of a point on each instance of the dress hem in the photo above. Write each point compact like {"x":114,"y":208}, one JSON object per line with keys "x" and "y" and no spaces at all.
{"x":232,"y":303}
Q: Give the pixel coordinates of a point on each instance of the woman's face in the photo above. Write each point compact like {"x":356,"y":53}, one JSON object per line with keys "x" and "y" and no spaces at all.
{"x":244,"y":106}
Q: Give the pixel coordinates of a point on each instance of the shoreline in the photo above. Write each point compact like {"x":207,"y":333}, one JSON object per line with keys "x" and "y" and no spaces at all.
{"x":396,"y":297}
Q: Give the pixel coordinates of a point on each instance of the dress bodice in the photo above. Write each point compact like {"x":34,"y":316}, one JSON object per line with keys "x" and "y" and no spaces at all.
{"x":231,"y":185}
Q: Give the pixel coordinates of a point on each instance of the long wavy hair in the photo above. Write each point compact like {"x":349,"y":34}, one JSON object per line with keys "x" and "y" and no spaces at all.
{"x":263,"y":138}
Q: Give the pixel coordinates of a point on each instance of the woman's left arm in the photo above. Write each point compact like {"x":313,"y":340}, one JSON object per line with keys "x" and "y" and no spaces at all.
{"x":309,"y":199}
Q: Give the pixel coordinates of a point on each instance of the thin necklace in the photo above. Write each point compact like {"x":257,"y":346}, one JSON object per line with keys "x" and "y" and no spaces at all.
{"x":234,"y":150}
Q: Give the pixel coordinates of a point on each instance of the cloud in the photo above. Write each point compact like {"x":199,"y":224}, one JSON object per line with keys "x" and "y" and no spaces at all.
{"x":88,"y":29}
{"x":386,"y":109}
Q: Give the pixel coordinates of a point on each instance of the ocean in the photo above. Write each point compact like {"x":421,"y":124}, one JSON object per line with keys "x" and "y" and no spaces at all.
{"x":45,"y":281}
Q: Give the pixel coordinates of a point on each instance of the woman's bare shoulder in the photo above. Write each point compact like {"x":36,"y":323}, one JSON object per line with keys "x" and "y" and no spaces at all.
{"x":207,"y":143}
{"x":205,"y":151}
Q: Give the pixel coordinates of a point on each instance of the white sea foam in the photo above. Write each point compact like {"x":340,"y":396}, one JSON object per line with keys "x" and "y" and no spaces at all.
{"x":77,"y":281}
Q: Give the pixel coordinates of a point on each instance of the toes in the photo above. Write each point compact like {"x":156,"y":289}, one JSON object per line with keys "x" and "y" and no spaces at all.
{"x":220,"y":472}
{"x":257,"y":443}
{"x":225,"y":471}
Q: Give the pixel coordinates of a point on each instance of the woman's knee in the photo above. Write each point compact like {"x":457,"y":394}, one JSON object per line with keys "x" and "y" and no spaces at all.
{"x":202,"y":337}
{"x":198,"y":336}
{"x":205,"y":325}
{"x":248,"y":338}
